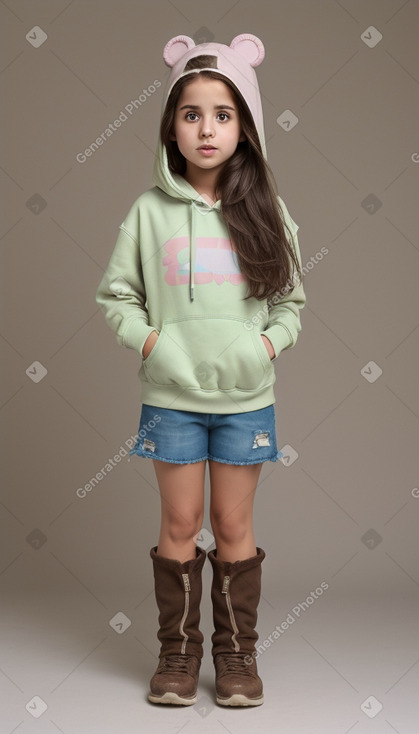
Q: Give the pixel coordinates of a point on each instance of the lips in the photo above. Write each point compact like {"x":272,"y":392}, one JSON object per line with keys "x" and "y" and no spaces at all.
{"x":207,"y":147}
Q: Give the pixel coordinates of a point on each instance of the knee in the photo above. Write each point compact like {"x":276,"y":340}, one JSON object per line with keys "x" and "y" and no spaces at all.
{"x":228,"y":529}
{"x":182,"y":527}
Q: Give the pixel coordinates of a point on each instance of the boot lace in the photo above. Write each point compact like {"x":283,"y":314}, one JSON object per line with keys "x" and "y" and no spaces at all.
{"x":234,"y":663}
{"x":176,"y":664}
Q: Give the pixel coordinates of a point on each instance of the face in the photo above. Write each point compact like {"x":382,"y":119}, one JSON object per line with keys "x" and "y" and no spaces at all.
{"x":206,"y":114}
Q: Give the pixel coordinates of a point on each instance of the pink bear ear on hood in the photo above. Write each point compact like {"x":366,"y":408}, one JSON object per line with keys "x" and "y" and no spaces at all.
{"x":176,"y":48}
{"x":249,"y":46}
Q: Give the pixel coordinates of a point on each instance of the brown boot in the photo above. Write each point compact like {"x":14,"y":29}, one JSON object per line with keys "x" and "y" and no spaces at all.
{"x":235,"y":594}
{"x":178,"y":590}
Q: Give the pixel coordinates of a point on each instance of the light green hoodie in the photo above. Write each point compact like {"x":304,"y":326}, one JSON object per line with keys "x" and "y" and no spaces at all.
{"x":173,"y":270}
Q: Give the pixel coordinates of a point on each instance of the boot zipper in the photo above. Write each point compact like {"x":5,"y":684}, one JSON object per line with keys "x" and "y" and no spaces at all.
{"x":225,"y":590}
{"x":187,"y":587}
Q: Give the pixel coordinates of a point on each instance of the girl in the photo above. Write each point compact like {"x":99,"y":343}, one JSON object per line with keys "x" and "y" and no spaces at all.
{"x":205,"y":283}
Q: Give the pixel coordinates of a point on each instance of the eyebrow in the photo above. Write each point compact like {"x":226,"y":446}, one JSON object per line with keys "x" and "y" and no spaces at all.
{"x":216,"y":107}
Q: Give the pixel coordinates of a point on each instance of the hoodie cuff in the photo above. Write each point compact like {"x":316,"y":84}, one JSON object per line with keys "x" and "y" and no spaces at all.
{"x":279,"y":337}
{"x":136,"y":334}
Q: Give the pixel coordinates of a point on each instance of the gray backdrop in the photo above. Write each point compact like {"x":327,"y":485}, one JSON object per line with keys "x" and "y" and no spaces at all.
{"x":339,"y":87}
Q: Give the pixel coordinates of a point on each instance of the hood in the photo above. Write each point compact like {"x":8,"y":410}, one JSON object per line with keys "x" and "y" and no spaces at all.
{"x":237,"y":62}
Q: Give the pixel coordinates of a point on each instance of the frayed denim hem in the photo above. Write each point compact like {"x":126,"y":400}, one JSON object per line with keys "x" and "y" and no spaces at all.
{"x":274,"y":459}
{"x":168,"y":461}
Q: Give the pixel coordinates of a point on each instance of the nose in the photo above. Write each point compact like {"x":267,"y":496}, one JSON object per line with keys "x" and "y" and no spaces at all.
{"x":207,"y":129}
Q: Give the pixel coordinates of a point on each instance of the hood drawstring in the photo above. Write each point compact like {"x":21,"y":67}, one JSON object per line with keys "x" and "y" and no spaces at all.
{"x":192,"y":243}
{"x":192,"y":247}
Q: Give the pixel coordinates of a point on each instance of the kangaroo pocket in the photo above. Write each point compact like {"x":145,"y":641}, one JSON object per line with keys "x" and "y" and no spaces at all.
{"x":209,"y":353}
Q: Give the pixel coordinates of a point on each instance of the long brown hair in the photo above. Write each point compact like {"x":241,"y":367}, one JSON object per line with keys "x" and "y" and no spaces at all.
{"x":248,"y":193}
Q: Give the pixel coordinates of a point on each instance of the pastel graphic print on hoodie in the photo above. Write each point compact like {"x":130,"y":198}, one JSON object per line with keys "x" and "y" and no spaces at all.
{"x":173,"y":271}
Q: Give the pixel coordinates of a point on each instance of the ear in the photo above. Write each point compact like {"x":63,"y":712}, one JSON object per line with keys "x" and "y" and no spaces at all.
{"x":176,"y":48}
{"x":250,"y":47}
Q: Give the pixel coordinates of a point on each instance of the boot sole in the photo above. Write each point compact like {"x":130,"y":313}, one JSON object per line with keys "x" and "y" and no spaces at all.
{"x":172,"y":698}
{"x":238,"y":699}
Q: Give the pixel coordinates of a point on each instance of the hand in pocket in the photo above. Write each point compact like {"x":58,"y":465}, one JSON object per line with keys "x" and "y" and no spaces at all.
{"x":149,"y":343}
{"x":268,"y":346}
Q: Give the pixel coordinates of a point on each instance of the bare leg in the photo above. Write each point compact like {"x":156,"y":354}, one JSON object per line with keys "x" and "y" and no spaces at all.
{"x":233,"y":490}
{"x":182,"y":507}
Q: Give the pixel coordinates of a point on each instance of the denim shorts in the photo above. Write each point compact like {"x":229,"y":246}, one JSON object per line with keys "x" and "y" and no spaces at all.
{"x":185,"y":437}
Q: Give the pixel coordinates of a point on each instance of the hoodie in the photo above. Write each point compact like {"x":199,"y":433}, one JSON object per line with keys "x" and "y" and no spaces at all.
{"x":173,"y":271}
